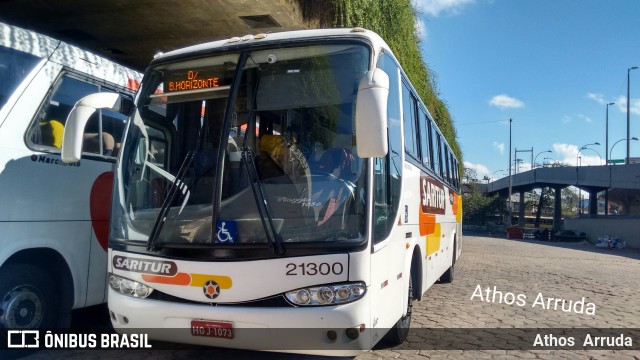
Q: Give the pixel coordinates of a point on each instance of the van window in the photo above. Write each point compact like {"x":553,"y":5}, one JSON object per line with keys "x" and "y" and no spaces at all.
{"x":14,"y":67}
{"x":102,"y":134}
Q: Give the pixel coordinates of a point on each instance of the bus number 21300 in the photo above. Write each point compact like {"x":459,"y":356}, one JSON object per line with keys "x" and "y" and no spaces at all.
{"x":314,"y":269}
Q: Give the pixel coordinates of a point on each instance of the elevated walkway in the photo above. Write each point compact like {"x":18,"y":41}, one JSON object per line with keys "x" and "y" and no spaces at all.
{"x":621,"y":182}
{"x":588,"y":178}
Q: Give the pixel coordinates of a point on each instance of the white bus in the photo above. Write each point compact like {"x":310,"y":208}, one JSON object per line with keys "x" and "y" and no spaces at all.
{"x":53,"y":216}
{"x":283,"y":191}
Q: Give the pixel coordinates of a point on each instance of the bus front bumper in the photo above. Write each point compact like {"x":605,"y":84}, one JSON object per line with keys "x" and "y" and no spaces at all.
{"x":330,"y":330}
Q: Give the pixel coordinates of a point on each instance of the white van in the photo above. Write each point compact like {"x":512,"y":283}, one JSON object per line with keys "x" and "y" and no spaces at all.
{"x":54,"y":217}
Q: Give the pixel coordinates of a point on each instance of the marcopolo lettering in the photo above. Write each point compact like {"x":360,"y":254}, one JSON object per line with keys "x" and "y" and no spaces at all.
{"x":432,"y":195}
{"x":54,"y":161}
{"x":158,"y":267}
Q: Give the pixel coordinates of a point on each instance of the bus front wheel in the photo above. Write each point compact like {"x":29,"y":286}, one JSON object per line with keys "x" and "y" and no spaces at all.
{"x":27,"y":298}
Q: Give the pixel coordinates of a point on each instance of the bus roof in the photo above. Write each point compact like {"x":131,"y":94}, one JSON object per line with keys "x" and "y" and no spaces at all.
{"x":68,"y":55}
{"x":236,"y":43}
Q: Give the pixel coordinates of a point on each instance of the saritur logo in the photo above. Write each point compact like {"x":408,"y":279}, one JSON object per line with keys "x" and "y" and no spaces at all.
{"x":432,"y":195}
{"x":159,"y":267}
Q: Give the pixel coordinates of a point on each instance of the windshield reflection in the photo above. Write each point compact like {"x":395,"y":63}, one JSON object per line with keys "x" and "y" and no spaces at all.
{"x":291,"y":127}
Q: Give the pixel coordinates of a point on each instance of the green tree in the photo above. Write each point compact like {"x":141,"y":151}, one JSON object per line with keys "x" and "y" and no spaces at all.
{"x":395,"y":21}
{"x":478,"y":208}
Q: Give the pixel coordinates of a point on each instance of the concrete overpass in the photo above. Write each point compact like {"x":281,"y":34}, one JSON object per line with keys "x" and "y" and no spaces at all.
{"x":588,"y":178}
{"x":131,"y":32}
{"x":622,"y":183}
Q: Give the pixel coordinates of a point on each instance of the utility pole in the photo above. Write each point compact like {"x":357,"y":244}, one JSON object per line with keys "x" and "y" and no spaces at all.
{"x":510,"y":180}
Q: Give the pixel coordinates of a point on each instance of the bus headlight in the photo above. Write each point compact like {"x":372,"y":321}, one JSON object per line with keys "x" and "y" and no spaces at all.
{"x":327,"y":294}
{"x":129,"y":287}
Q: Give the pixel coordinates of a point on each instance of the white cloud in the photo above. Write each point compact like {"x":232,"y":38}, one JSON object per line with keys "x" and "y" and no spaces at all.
{"x":620,"y":102}
{"x":566,"y":119}
{"x":569,"y":154}
{"x":421,"y":29}
{"x":504,"y":101}
{"x":479,"y":168}
{"x":436,"y":7}
{"x":523,"y":166}
{"x":585,"y":118}
{"x":634,"y":107}
{"x":599,"y":98}
{"x":499,"y":147}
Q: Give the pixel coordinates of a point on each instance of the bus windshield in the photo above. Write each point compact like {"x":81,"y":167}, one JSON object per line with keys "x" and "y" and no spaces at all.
{"x":15,"y":65}
{"x":242,"y":148}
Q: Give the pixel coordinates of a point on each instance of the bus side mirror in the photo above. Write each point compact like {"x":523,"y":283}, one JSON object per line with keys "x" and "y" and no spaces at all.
{"x":78,"y":117}
{"x":371,"y":114}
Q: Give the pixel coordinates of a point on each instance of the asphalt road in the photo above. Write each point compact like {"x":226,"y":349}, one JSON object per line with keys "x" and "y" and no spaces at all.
{"x":531,"y":271}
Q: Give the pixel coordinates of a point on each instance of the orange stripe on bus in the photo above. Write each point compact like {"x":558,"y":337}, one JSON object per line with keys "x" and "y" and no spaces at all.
{"x":427,"y":224}
{"x":133,"y":84}
{"x":200,"y":279}
{"x":182,"y":279}
{"x":454,"y":206}
{"x":459,"y":213}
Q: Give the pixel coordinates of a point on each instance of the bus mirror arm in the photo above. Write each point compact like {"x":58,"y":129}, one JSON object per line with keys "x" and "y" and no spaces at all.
{"x":79,"y":116}
{"x":371,"y":114}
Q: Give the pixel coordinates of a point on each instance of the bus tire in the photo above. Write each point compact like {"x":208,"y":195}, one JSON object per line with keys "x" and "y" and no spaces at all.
{"x":28,"y":298}
{"x":399,"y":332}
{"x":447,"y":277}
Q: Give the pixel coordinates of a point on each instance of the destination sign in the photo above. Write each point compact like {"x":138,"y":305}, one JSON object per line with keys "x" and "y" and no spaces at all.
{"x":184,"y":80}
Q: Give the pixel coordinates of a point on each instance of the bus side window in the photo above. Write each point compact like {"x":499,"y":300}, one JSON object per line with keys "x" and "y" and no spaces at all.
{"x":425,"y":145}
{"x":447,"y":173}
{"x":409,"y":121}
{"x":104,"y":129}
{"x":388,"y":170}
{"x":435,"y":142}
{"x":15,"y":66}
{"x":381,"y":222}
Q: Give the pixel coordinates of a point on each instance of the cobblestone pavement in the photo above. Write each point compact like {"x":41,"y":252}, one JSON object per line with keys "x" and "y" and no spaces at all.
{"x":610,"y":279}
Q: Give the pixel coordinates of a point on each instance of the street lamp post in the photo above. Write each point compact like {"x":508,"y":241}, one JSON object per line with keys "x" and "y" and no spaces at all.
{"x":585,"y":147}
{"x":606,"y":139}
{"x":616,"y":143}
{"x":536,"y":158}
{"x":494,"y":173}
{"x":628,"y":100}
{"x":597,"y":153}
{"x":516,"y":165}
{"x":510,"y":180}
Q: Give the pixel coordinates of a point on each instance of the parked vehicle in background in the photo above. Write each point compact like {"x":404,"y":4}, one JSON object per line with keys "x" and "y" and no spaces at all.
{"x":53,"y":216}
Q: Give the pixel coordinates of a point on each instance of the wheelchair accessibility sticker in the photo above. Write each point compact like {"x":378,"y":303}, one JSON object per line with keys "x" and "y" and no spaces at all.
{"x":227,"y":231}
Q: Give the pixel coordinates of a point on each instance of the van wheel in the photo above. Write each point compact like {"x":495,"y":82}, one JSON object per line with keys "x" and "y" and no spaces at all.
{"x":28,"y":298}
{"x":399,"y":332}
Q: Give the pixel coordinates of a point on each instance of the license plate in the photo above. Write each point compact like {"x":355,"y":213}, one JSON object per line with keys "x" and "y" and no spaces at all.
{"x":216,"y":329}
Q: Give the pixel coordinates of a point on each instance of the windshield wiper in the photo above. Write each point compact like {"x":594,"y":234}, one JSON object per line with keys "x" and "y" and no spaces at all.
{"x":273,"y":237}
{"x":176,"y":184}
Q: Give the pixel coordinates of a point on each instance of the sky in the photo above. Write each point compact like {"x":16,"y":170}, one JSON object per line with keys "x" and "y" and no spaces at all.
{"x":549,"y":65}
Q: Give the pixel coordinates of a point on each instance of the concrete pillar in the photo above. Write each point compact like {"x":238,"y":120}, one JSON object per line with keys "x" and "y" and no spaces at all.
{"x":593,"y":203}
{"x":626,"y":204}
{"x":521,"y":220}
{"x":557,"y":208}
